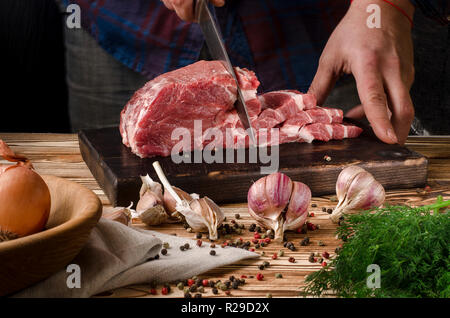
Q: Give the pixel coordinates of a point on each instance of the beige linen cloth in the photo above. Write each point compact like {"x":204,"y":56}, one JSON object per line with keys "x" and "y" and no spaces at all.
{"x":116,"y":256}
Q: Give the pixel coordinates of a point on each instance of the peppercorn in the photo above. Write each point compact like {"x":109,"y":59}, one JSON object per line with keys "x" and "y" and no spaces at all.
{"x":228,"y":284}
{"x":198,"y":296}
{"x":187,"y":295}
{"x":212,"y":283}
{"x":164,"y":251}
{"x":311,"y":214}
{"x":274,"y":256}
{"x":193,"y":288}
{"x":235,"y":285}
{"x":232,"y":278}
{"x":278,"y":275}
{"x":153,"y":291}
{"x":329,"y":211}
{"x":261,"y":267}
{"x":291,"y":259}
{"x":164,"y":291}
{"x":242,"y":280}
{"x":180,"y":286}
{"x":320,"y":243}
{"x":185,"y":225}
{"x":305,"y":241}
{"x":213,"y":245}
{"x":271,"y":236}
{"x":311,"y":259}
{"x":223,"y":287}
{"x":182,"y":248}
{"x":201,"y":289}
{"x":258,"y":229}
{"x":166,"y":245}
{"x":280,"y":253}
{"x":215,"y":291}
{"x":266,"y":264}
{"x":190,"y":282}
{"x":199,"y":235}
{"x":227,"y":292}
{"x":257,"y":245}
{"x":324,"y":209}
{"x":186,"y":246}
{"x":320,"y":260}
{"x":263,"y":244}
{"x":259,"y":276}
{"x":324,"y":264}
{"x":198,"y":282}
{"x":237,"y":216}
{"x":189,"y":230}
{"x":263,"y":253}
{"x":268,"y":295}
{"x":314,"y":205}
{"x":292,"y":247}
{"x":212,"y":252}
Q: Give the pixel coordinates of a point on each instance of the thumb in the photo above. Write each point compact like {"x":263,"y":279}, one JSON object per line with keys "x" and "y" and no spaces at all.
{"x":323,"y":82}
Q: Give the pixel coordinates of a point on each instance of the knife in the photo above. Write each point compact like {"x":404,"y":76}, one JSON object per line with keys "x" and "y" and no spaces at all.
{"x":217,"y":50}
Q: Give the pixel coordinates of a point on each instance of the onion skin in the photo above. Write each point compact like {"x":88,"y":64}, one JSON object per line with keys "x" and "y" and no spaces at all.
{"x":24,"y":201}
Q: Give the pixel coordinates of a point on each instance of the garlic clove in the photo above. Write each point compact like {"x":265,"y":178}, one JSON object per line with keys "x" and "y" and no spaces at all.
{"x":363,"y":192}
{"x":150,"y":209}
{"x":344,"y":180}
{"x":206,"y":215}
{"x":170,"y":202}
{"x":297,"y":210}
{"x":119,"y":214}
{"x":267,"y":198}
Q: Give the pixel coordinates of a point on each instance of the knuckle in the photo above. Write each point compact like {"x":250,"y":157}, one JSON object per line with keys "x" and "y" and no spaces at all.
{"x":406,"y":111}
{"x":376,"y":98}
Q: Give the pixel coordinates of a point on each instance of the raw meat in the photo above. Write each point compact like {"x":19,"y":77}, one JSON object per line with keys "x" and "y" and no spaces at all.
{"x":205,"y":91}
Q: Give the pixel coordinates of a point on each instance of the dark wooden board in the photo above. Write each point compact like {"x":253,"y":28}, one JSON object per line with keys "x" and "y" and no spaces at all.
{"x":117,"y":170}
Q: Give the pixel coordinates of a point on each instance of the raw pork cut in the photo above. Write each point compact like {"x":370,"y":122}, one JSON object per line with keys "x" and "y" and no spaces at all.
{"x":205,"y":91}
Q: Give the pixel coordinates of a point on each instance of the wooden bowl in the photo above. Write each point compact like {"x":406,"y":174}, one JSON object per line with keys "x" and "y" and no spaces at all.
{"x":75,"y":210}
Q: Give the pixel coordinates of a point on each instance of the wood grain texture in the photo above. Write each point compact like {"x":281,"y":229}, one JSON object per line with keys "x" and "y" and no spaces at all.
{"x":59,"y":155}
{"x":118,"y":170}
{"x":74,"y":212}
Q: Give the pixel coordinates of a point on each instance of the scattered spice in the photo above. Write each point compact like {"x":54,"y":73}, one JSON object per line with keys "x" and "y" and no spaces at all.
{"x":278,"y":275}
{"x":326,"y":255}
{"x":268,"y":295}
{"x":166,"y":245}
{"x":237,"y":216}
{"x":182,"y":248}
{"x":324,"y":209}
{"x":259,"y":276}
{"x":180,"y":285}
{"x":164,"y":291}
{"x":199,"y":235}
{"x":311,"y":214}
{"x":212,"y":252}
{"x":324,"y":264}
{"x":314,"y":205}
{"x":329,"y":211}
{"x":320,"y":243}
{"x":164,"y":251}
{"x":190,"y":282}
{"x":275,"y":256}
{"x":280,"y":253}
{"x":291,"y":259}
{"x":215,"y":291}
{"x":198,"y":296}
{"x":186,"y":246}
{"x":153,"y":291}
{"x":199,"y":243}
{"x":213,"y":245}
{"x":305,"y":241}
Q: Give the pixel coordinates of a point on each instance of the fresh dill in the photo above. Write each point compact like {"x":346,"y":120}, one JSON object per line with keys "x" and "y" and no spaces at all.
{"x":410,"y":245}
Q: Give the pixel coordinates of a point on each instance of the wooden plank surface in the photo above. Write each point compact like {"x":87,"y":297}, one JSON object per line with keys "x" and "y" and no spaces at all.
{"x":118,"y":170}
{"x":59,"y":155}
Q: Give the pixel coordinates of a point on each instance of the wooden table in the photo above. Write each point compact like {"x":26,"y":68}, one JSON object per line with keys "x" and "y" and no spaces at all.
{"x":59,"y":155}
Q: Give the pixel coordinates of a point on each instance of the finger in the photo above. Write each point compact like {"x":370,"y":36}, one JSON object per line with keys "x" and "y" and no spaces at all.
{"x":184,"y":9}
{"x":323,"y":82}
{"x":168,"y":4}
{"x":218,"y":3}
{"x":371,"y":93}
{"x":356,"y":112}
{"x":401,"y":106}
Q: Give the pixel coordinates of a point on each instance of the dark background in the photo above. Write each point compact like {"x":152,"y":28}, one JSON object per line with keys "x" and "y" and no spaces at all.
{"x":34,"y":93}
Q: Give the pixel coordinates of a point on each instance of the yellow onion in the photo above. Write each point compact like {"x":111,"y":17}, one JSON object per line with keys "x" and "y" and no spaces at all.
{"x":24,"y":198}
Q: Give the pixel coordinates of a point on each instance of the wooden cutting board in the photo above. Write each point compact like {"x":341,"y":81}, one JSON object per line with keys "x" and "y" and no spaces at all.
{"x":117,"y":170}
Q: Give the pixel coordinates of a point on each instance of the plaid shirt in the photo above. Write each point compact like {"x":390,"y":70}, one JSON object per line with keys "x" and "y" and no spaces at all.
{"x":280,"y":40}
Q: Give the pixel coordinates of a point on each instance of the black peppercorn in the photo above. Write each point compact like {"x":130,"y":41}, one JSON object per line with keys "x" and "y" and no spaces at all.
{"x":235,"y":285}
{"x":186,"y":246}
{"x":164,"y":251}
{"x":198,"y":296}
{"x":261,"y":267}
{"x":324,"y":209}
{"x":193,"y":288}
{"x":329,"y":211}
{"x":232,"y":278}
{"x":187,"y":295}
{"x":215,"y":291}
{"x":182,"y":248}
{"x":314,"y":205}
{"x":212,"y":252}
{"x":199,"y":235}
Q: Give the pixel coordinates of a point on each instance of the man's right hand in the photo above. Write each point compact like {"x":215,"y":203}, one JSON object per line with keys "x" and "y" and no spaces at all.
{"x":185,"y":9}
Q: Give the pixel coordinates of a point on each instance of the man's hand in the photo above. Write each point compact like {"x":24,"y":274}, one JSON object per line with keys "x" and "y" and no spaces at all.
{"x":185,"y":9}
{"x":380,"y":59}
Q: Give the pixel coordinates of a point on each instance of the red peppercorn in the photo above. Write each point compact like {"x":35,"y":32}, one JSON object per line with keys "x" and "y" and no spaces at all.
{"x":243,"y":276}
{"x":205,"y":283}
{"x":275,"y":256}
{"x":325,"y":255}
{"x":260,"y":276}
{"x":164,"y":291}
{"x":267,"y":240}
{"x":310,"y":226}
{"x":311,"y":214}
{"x":227,"y":292}
{"x":252,"y":250}
{"x":324,"y":264}
{"x":255,"y":241}
{"x":199,"y":243}
{"x":427,"y":188}
{"x":257,"y":236}
{"x":153,"y":291}
{"x":291,"y":259}
{"x":299,"y":230}
{"x":190,"y":282}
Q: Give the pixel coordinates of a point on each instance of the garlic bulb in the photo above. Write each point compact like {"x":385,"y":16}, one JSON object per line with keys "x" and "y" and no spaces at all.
{"x":356,"y":189}
{"x":277,"y":203}
{"x":150,"y":209}
{"x":202,"y":214}
{"x":170,"y":202}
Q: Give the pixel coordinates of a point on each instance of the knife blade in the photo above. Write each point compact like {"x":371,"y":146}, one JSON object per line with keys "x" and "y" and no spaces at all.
{"x":216,"y":47}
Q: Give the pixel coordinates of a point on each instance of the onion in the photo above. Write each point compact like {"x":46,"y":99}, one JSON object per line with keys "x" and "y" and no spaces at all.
{"x":24,"y":198}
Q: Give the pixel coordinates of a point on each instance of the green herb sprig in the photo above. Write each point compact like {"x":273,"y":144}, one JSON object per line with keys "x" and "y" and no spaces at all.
{"x":411,"y":246}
